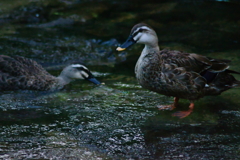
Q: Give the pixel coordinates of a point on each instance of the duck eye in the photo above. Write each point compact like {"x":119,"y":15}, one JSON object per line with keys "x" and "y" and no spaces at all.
{"x":140,"y":30}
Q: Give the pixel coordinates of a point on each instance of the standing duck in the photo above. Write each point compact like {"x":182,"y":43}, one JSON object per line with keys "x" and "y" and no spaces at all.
{"x":19,"y":73}
{"x":178,"y":74}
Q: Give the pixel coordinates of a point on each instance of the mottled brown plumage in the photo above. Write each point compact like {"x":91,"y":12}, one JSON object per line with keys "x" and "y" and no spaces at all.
{"x":178,"y":74}
{"x":17,"y":72}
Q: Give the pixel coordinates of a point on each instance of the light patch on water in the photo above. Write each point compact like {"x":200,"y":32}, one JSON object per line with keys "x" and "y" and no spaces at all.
{"x":99,"y":74}
{"x":235,"y":113}
{"x":123,"y":85}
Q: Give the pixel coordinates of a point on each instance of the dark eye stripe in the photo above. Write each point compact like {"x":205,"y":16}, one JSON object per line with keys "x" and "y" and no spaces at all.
{"x":85,"y":70}
{"x":139,"y":31}
{"x":79,"y":68}
{"x":82,"y":69}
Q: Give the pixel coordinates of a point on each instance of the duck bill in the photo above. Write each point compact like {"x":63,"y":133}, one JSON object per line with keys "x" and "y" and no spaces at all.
{"x":94,"y":80}
{"x":129,"y":42}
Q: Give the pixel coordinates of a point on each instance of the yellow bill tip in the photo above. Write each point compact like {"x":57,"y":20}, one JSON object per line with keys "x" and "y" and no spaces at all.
{"x":120,"y":49}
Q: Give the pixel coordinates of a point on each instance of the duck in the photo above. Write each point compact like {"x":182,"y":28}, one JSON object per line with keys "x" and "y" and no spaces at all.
{"x":175,"y":73}
{"x":20,"y":73}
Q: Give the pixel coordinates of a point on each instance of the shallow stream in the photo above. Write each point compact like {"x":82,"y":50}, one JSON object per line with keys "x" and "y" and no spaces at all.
{"x":118,"y":120}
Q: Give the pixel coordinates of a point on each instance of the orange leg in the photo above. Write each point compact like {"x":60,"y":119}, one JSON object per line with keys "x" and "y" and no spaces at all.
{"x":183,"y":114}
{"x":171,"y":106}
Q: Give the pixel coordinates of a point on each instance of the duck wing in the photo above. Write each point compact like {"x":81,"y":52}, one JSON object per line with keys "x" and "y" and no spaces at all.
{"x":180,"y":74}
{"x":188,"y":73}
{"x":21,"y":73}
{"x":194,"y":62}
{"x":20,"y":66}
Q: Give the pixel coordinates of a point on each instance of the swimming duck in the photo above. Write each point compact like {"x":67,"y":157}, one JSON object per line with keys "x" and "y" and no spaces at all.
{"x":19,"y":73}
{"x":179,"y":74}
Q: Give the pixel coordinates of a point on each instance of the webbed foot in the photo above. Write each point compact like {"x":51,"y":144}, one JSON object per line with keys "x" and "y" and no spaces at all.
{"x":183,"y":114}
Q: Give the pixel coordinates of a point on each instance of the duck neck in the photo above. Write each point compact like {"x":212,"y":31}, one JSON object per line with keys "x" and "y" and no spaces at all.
{"x":148,"y":55}
{"x":151,"y":49}
{"x":63,"y":80}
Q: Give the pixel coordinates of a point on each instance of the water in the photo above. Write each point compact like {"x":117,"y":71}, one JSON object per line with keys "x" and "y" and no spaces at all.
{"x":118,"y":120}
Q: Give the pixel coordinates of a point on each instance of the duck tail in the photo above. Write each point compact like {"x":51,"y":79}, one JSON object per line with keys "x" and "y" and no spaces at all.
{"x":231,"y":71}
{"x":236,"y":83}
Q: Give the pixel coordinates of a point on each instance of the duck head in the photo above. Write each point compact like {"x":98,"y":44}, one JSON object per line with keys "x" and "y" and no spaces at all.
{"x":143,"y":34}
{"x":77,"y":71}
